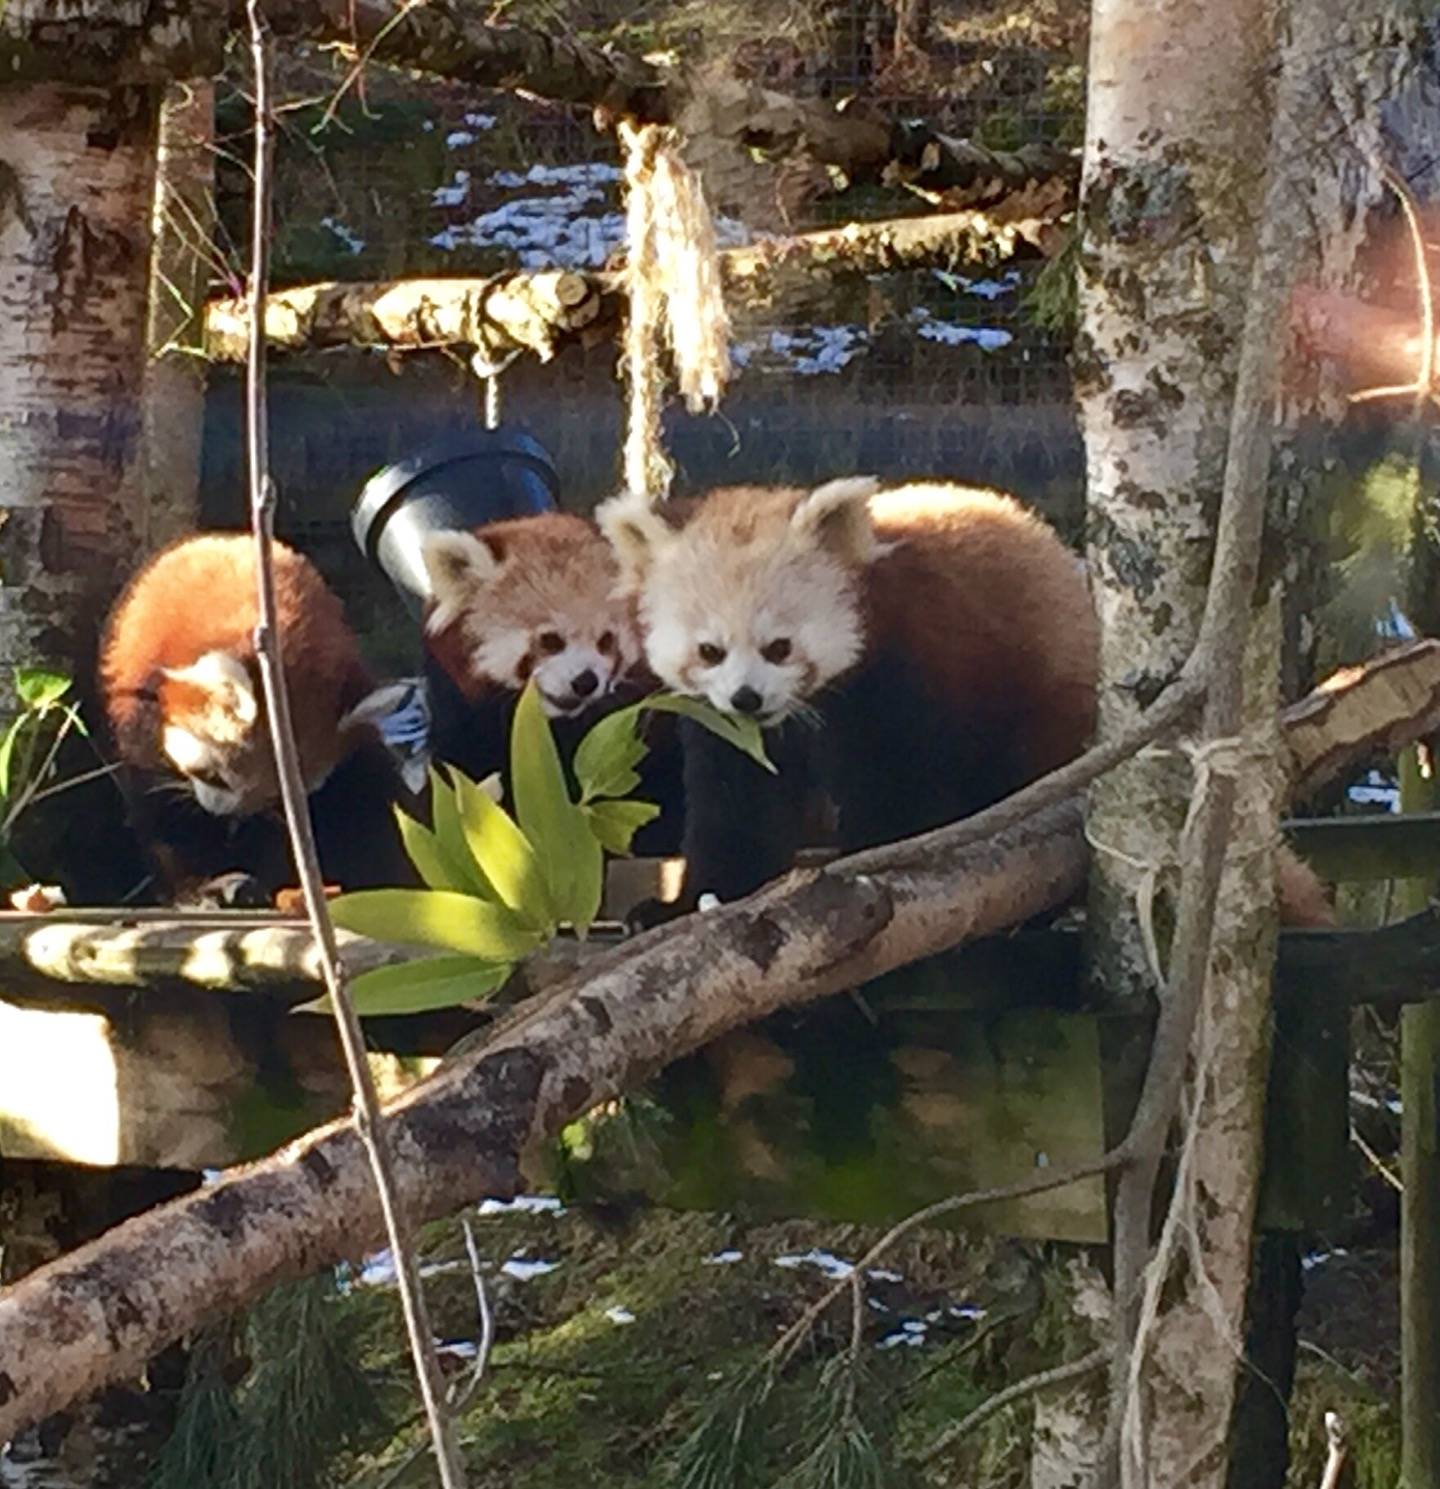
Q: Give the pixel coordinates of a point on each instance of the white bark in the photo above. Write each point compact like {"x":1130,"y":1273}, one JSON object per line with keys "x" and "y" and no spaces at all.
{"x":76,"y":176}
{"x":172,"y":416}
{"x":1179,"y":113}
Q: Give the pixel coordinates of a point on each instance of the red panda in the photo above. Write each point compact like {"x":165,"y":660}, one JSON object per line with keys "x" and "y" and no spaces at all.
{"x":942,"y":638}
{"x":532,"y":598}
{"x":181,"y":690}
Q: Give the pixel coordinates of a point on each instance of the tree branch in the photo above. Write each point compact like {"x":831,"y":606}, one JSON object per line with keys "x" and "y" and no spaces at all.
{"x":1376,"y":709}
{"x":542,"y":311}
{"x":98,"y":1314}
{"x":368,"y":1124}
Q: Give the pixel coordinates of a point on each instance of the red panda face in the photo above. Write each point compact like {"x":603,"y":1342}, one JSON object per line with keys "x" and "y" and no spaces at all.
{"x":180,"y":682}
{"x":211,"y":733}
{"x":534,"y":598}
{"x":755,"y":603}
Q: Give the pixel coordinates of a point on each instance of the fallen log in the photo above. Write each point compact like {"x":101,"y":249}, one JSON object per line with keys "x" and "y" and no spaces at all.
{"x":97,"y":1314}
{"x":542,"y":311}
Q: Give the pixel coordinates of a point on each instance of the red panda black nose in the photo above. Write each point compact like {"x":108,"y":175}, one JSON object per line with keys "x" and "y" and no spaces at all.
{"x":584,"y":683}
{"x":746,"y":700}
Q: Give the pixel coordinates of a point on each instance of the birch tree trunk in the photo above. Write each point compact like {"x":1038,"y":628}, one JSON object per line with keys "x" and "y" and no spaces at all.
{"x":182,"y":223}
{"x":77,"y":169}
{"x":1179,"y":109}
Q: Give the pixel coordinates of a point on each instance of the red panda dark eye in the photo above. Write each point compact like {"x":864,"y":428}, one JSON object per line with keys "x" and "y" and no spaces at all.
{"x":606,"y":644}
{"x":551,"y":642}
{"x":710,"y":654}
{"x":776,"y":651}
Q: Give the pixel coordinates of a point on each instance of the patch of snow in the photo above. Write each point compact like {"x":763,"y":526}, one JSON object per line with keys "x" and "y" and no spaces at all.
{"x":984,"y":289}
{"x":620,"y":1315}
{"x":454,"y":194}
{"x":965,"y":1310}
{"x":914,"y":1325}
{"x":883,"y":1274}
{"x":461,"y":1349}
{"x":901,"y":1336}
{"x":592,"y":173}
{"x":459,"y":137}
{"x":1395,"y":624}
{"x":523,"y":1204}
{"x":352,"y":241}
{"x":877,"y":1305}
{"x":522,"y":1269}
{"x":987,"y":338}
{"x":377,"y":1270}
{"x":1319,"y":1258}
{"x":830,"y":1265}
{"x":481,"y":121}
{"x":1376,"y":790}
{"x":813,"y":350}
{"x":723,"y":1259}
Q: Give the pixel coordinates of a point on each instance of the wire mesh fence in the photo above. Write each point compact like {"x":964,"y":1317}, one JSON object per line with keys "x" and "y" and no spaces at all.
{"x":945,"y":371}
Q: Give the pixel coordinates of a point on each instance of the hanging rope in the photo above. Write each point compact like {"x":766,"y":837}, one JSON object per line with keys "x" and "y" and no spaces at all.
{"x":488,"y":372}
{"x":673,"y":273}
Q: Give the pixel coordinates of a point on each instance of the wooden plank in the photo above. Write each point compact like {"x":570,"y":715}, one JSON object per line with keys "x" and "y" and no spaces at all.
{"x":1373,"y":846}
{"x":170,"y":1080}
{"x":1420,"y":1170}
{"x":832,"y":1115}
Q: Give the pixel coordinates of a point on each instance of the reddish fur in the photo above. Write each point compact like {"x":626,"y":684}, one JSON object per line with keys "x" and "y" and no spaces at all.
{"x":553,"y":562}
{"x":982,"y":598}
{"x":1043,"y":673}
{"x":198,"y":596}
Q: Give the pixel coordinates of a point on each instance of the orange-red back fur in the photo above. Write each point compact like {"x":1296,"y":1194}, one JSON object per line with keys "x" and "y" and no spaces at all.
{"x":199,"y":596}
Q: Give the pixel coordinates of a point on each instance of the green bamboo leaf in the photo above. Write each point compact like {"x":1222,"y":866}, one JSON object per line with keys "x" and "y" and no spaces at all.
{"x":615,"y":823}
{"x":573,"y":861}
{"x":416,"y":987}
{"x":7,"y":752}
{"x":38,"y":689}
{"x":744,"y":734}
{"x":430,"y":859}
{"x":439,"y":918}
{"x":450,"y":836}
{"x":505,"y":855}
{"x":606,"y":758}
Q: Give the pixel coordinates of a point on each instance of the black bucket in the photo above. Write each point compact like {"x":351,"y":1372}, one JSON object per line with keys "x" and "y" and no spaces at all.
{"x":460,"y":482}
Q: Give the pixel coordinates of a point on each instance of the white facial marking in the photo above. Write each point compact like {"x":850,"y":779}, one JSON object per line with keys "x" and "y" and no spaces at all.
{"x":191,"y":754}
{"x":228,"y":683}
{"x":555,"y":677}
{"x":216,"y":800}
{"x":185,"y":750}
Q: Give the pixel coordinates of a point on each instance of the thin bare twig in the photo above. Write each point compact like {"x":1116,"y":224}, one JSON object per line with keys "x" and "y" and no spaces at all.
{"x":485,"y":1343}
{"x":1378,"y":1163}
{"x":1337,"y":1443}
{"x":1059,"y":1375}
{"x":786,"y":1345}
{"x":368,"y":1122}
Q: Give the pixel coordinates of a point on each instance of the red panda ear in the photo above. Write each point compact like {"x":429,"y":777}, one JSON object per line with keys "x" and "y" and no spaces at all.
{"x":635,"y":529}
{"x":458,"y":560}
{"x":220,"y":684}
{"x":836,"y":517}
